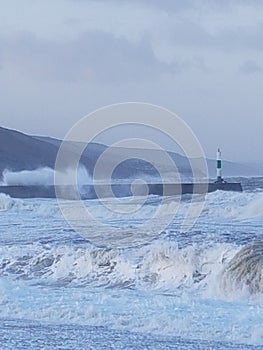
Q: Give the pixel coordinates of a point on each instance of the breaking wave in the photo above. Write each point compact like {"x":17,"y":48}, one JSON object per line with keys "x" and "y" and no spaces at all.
{"x":40,"y":207}
{"x":245,"y":270}
{"x":222,"y":269}
{"x":7,"y":203}
{"x":156,"y":266}
{"x":239,"y":206}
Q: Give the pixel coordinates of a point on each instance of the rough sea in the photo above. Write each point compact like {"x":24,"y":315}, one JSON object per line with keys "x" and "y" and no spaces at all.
{"x":201,"y":289}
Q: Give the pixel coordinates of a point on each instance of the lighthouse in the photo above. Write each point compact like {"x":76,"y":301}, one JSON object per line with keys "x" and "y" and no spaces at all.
{"x":219,"y":167}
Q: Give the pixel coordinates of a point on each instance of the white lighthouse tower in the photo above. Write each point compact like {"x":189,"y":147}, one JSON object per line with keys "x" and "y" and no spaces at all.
{"x":219,"y":167}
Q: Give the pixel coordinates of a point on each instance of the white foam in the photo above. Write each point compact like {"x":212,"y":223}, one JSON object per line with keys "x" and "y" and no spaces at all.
{"x":166,"y":298}
{"x":160,"y":265}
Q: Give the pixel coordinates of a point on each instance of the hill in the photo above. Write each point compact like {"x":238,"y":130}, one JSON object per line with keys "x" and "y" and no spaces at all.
{"x":19,"y":151}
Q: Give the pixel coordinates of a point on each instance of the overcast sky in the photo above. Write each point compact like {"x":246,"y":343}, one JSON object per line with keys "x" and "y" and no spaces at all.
{"x":203,"y":60}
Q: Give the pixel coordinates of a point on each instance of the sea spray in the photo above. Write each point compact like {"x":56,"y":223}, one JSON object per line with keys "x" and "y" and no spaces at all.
{"x":44,"y":177}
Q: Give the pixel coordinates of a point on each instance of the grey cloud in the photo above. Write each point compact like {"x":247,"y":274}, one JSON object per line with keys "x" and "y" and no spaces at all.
{"x":94,"y":56}
{"x":190,"y":34}
{"x":169,"y":5}
{"x":250,"y":67}
{"x":180,"y":5}
{"x":242,"y":38}
{"x":164,"y":5}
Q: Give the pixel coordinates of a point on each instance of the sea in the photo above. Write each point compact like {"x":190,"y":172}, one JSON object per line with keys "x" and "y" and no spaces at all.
{"x":195,"y":289}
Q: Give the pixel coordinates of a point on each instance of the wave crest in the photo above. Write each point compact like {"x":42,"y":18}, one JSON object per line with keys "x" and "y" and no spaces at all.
{"x":245,"y":270}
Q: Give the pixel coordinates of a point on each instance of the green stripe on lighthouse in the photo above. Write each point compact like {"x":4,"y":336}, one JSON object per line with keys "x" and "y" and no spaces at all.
{"x":218,"y":166}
